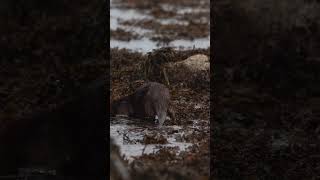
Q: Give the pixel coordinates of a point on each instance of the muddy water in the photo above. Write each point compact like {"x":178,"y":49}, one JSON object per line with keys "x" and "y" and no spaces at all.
{"x":145,"y":45}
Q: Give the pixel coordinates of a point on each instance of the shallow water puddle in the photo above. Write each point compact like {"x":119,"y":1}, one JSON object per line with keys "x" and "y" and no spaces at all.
{"x":130,"y":138}
{"x":145,"y":45}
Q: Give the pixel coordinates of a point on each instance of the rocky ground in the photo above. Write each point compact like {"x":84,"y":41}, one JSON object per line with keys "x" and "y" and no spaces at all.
{"x":162,"y":41}
{"x":181,"y":148}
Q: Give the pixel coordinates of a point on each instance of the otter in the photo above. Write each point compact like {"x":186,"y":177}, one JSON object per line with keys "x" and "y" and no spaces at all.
{"x":150,"y":100}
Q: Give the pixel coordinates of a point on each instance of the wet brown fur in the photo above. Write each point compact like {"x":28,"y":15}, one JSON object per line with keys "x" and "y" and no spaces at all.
{"x":149,"y":100}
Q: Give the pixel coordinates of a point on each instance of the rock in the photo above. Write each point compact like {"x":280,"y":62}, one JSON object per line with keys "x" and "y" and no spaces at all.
{"x":193,"y":71}
{"x":196,"y":63}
